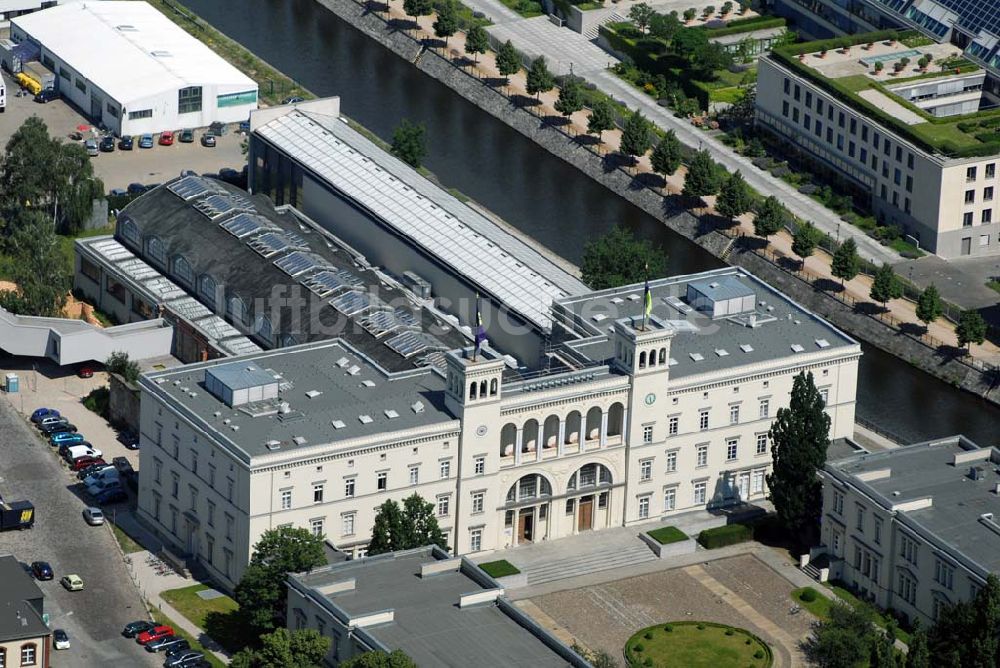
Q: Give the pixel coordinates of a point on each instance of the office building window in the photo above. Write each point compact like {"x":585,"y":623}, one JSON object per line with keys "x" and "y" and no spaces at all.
{"x":787,"y":85}
{"x":189,"y":99}
{"x":757,"y":482}
{"x":317,"y":492}
{"x":672,"y":425}
{"x":854,"y":126}
{"x":670,"y":499}
{"x":477,"y":502}
{"x":702,"y":456}
{"x":211,"y":514}
{"x":806,"y":121}
{"x":907,"y":589}
{"x":909,"y":161}
{"x":671,"y":462}
{"x":863,"y":156}
{"x":479,"y":466}
{"x":967,"y":219}
{"x":944,"y":574}
{"x":838,"y":503}
{"x":445,"y":469}
{"x":819,"y":105}
{"x":859,"y":523}
{"x":347,"y":524}
{"x":703,"y":419}
{"x":784,"y":108}
{"x":829,"y":135}
{"x":764,"y":409}
{"x":443,"y":505}
{"x":414,"y":475}
{"x":988,"y":194}
{"x":819,"y":128}
{"x":643,"y":507}
{"x":795,"y":114}
{"x":734,"y":414}
{"x":970,"y":174}
{"x":646,"y":469}
{"x":809,"y":99}
{"x":970,"y":196}
{"x":987,"y":216}
{"x":909,"y":183}
{"x":476,"y":540}
{"x":647,"y":433}
{"x":887,"y":148}
{"x":381,"y":480}
{"x":840,"y":119}
{"x":316,"y":526}
{"x":286,"y":499}
{"x":851,"y":149}
{"x":229,"y":527}
{"x":700,"y":490}
{"x":798,"y":93}
{"x":908,"y":549}
{"x":731,"y":449}
{"x":877,"y":528}
{"x":174,"y":485}
{"x":761,"y":447}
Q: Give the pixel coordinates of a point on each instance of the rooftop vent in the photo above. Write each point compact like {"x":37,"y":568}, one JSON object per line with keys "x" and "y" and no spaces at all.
{"x":697,"y":357}
{"x":159,"y":53}
{"x":822,"y":343}
{"x":417,"y":407}
{"x":338,"y":424}
{"x":343,"y":362}
{"x":354,"y":370}
{"x":599,"y":317}
{"x":976,"y":472}
{"x":796,"y":348}
{"x":365,"y":419}
{"x":273,"y":445}
{"x":368,"y":382}
{"x":299,"y":440}
{"x":125,"y":27}
{"x":721,"y":352}
{"x":312,"y":394}
{"x":746,"y":347}
{"x":391,"y":414}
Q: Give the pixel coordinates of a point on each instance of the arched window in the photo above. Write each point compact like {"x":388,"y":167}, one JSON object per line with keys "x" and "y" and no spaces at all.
{"x":262,"y":325}
{"x":156,"y":252}
{"x":589,"y":475}
{"x":182,"y":271}
{"x":531,"y":486}
{"x":129,"y":232}
{"x":663,"y":355}
{"x":652,"y":358}
{"x":207,"y":290}
{"x":29,"y":654}
{"x":237,"y":310}
{"x":616,"y":419}
{"x":508,"y":437}
{"x":642,"y":360}
{"x":482,"y":389}
{"x":493,"y":387}
{"x":472,"y":390}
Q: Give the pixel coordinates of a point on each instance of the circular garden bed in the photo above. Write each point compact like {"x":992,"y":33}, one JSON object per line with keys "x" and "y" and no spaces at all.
{"x":697,"y":645}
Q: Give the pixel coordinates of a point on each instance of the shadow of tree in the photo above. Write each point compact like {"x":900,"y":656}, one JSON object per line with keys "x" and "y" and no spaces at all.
{"x":374,"y":7}
{"x":586,"y":140}
{"x":229,"y":629}
{"x":613,"y":161}
{"x":790,"y":263}
{"x":868,"y":308}
{"x":827,"y":285}
{"x":912,"y":328}
{"x":647,"y":180}
{"x":401,"y":25}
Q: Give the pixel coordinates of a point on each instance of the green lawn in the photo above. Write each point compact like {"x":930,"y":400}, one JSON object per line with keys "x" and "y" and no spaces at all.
{"x":126,"y":542}
{"x":161,"y":618}
{"x":499,"y":569}
{"x":697,"y":645}
{"x":993,"y":285}
{"x":667,"y":535}
{"x":526,"y":8}
{"x":821,"y":607}
{"x":195,"y":608}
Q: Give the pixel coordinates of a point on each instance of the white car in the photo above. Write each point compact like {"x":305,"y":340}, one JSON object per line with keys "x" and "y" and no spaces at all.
{"x":105,"y":474}
{"x":60,"y":639}
{"x":76,"y":451}
{"x":94,"y":516}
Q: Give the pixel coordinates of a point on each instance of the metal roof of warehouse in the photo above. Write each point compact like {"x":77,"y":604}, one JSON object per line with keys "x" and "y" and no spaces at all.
{"x":128,"y":49}
{"x":475,"y":247}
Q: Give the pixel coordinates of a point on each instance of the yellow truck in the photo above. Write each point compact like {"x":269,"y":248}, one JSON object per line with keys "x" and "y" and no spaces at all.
{"x":28,"y":83}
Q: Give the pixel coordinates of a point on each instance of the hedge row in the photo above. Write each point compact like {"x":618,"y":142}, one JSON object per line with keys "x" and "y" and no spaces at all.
{"x":745,"y":25}
{"x":841,"y":42}
{"x":729,"y":534}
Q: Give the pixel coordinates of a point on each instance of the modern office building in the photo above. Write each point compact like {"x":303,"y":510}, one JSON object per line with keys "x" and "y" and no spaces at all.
{"x":133,"y":70}
{"x":625,"y":422}
{"x":921,"y":149}
{"x":25,"y":638}
{"x":310,"y":157}
{"x":914,"y":529}
{"x":439,"y":611}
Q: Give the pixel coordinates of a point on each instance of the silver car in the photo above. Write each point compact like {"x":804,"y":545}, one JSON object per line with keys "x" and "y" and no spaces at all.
{"x":91,"y":146}
{"x":93,"y":516}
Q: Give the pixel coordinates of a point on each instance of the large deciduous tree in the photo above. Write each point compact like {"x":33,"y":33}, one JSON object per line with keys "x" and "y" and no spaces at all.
{"x":601,"y":119}
{"x":641,"y":14}
{"x":666,"y":157}
{"x":971,"y":328}
{"x":637,"y":136}
{"x":734,"y":198}
{"x":799,"y":438}
{"x":570,"y":97}
{"x":303,"y":648}
{"x":885,"y":285}
{"x":843,"y":641}
{"x":409,"y":142}
{"x":508,"y":61}
{"x":805,"y":240}
{"x":770,"y":217}
{"x":929,"y":306}
{"x":477,"y":41}
{"x":417,"y":8}
{"x":967,"y":634}
{"x":539,"y":79}
{"x":446,"y":22}
{"x":413,"y":525}
{"x":618,"y":258}
{"x":702,"y":177}
{"x":846,"y":264}
{"x":378,"y":659}
{"x":37,"y":267}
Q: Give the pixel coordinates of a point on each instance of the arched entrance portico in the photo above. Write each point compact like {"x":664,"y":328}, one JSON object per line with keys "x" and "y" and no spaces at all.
{"x":589,"y":497}
{"x":526,"y":509}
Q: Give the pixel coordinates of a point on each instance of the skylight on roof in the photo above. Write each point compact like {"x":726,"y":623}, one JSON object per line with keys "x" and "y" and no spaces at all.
{"x":746,"y":347}
{"x":343,"y":362}
{"x":368,"y":382}
{"x":338,"y":424}
{"x":822,"y":343}
{"x":365,"y":419}
{"x":796,"y":348}
{"x":697,"y":357}
{"x":391,"y":414}
{"x":417,"y":407}
{"x":312,"y":394}
{"x":721,"y":352}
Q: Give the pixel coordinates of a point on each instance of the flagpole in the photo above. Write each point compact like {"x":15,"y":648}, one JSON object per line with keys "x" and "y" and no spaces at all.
{"x":645,"y":300}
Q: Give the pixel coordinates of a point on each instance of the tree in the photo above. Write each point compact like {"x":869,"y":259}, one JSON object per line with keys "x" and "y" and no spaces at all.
{"x":570,"y":98}
{"x":702,"y":176}
{"x":37,"y":267}
{"x":508,"y":62}
{"x":966,"y":634}
{"x":770,"y":217}
{"x":618,"y":258}
{"x":709,"y":57}
{"x":929,"y":306}
{"x":637,"y":136}
{"x":734,"y":198}
{"x":843,"y":641}
{"x":918,"y":655}
{"x":446,"y":23}
{"x":415,"y":525}
{"x":971,"y":328}
{"x":477,"y":41}
{"x":260,"y":593}
{"x":539,"y":79}
{"x":689,"y":40}
{"x":379,"y":659}
{"x":885,"y":285}
{"x":664,"y":26}
{"x":303,"y":648}
{"x":666,"y":157}
{"x":846,"y":264}
{"x":417,"y":8}
{"x":602,"y":118}
{"x":641,"y":14}
{"x":799,"y":438}
{"x":409,"y":142}
{"x":119,"y":363}
{"x":805,"y":239}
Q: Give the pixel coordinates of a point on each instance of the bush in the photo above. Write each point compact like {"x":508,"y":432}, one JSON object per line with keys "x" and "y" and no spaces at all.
{"x":667,"y":535}
{"x":808,"y":595}
{"x":759,"y":654}
{"x":648,"y":661}
{"x":638,"y":647}
{"x":725,"y":535}
{"x":701,"y":627}
{"x":748,"y":642}
{"x":730,"y":632}
{"x":98,"y":400}
{"x":648,"y":635}
{"x":668,"y":628}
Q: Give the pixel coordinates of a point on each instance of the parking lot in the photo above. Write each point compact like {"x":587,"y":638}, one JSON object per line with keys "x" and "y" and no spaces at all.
{"x":120,"y":168}
{"x":31,"y":470}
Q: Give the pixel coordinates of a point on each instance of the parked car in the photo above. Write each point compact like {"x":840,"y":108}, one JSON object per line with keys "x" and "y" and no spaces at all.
{"x":123,"y":465}
{"x":186,"y":136}
{"x":41,"y":570}
{"x":60,"y":639}
{"x":126,"y":143}
{"x":101,"y":486}
{"x":154,"y":633}
{"x":166,"y":138}
{"x":167,"y":643}
{"x":129,"y":439}
{"x":218,"y":128}
{"x":64,"y":447}
{"x":58,"y":427}
{"x":182,"y":658}
{"x":146,"y":141}
{"x":94,"y":516}
{"x":92,"y":469}
{"x":292,"y":100}
{"x":46,"y":95}
{"x":136,"y":189}
{"x":84,"y":462}
{"x":72,"y":582}
{"x":51,"y":419}
{"x":113,"y":495}
{"x":74,"y":452}
{"x":90,"y":145}
{"x":106,"y":473}
{"x":66,"y":438}
{"x":87,"y":371}
{"x":41,"y":413}
{"x":132,"y":629}
{"x":208,"y":140}
{"x":107,"y":144}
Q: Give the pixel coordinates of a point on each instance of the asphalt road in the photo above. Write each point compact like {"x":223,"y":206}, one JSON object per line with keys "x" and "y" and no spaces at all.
{"x":30,"y":469}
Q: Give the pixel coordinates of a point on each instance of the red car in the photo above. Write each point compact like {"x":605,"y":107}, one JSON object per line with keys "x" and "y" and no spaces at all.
{"x":81,"y":463}
{"x":166,"y":138}
{"x":85,"y":372}
{"x":154,"y":634}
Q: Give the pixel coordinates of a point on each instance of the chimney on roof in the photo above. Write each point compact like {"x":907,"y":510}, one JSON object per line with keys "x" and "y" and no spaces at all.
{"x":284,"y":408}
{"x":976,"y":472}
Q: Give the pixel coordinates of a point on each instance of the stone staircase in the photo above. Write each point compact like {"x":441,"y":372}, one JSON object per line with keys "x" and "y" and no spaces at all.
{"x":610,"y":557}
{"x":593,"y":31}
{"x":811,"y":570}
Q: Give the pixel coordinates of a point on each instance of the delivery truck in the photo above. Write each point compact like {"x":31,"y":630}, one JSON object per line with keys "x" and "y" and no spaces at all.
{"x":16,"y":515}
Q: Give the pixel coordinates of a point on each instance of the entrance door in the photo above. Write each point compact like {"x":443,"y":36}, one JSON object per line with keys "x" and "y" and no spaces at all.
{"x":526,"y":525}
{"x":585,"y":519}
{"x":966,"y":245}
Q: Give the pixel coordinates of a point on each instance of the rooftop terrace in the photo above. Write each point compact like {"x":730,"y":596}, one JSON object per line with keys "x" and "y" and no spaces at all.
{"x":866,"y":72}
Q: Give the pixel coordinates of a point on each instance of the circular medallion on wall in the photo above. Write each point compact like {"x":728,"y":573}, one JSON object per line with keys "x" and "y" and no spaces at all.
{"x":481,"y":430}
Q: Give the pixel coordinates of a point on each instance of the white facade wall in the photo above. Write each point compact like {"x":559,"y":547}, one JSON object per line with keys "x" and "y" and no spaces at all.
{"x":924,"y":194}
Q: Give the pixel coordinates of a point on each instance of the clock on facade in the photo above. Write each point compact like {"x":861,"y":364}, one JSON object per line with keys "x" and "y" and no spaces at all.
{"x":650,"y":399}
